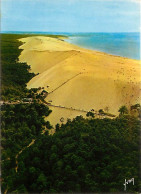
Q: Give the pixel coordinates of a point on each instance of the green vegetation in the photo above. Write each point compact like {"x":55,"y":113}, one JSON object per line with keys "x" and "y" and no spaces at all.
{"x":15,"y":75}
{"x":22,"y":115}
{"x":123,"y":110}
{"x":21,"y":123}
{"x":90,"y":114}
{"x":83,"y":155}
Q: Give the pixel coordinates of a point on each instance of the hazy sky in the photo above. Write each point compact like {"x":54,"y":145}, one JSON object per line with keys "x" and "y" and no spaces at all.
{"x":70,"y":15}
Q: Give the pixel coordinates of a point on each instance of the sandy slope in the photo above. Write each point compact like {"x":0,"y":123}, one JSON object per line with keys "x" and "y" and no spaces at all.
{"x":80,"y":78}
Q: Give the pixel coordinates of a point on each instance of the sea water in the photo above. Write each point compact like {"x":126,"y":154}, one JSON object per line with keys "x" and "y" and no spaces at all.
{"x":120,"y":44}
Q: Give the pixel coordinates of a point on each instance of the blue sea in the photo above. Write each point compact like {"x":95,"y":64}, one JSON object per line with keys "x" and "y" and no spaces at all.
{"x":120,"y":44}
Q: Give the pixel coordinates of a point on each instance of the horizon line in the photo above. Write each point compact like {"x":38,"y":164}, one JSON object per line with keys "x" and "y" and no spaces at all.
{"x":13,"y":31}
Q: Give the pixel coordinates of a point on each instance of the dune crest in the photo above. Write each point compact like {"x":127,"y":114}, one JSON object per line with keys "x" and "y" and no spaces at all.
{"x":78,"y":79}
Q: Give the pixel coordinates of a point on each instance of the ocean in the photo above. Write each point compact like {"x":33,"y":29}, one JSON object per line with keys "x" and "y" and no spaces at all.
{"x":119,"y":44}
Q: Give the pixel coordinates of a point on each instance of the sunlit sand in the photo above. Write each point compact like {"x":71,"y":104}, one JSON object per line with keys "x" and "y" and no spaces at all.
{"x":80,"y":79}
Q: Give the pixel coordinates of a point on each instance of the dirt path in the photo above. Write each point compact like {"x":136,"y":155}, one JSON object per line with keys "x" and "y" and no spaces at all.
{"x":7,"y":102}
{"x":31,"y":143}
{"x":64,"y":83}
{"x":67,"y":108}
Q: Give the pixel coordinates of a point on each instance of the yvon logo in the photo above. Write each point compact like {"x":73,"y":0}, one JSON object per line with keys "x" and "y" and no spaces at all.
{"x":128,"y":181}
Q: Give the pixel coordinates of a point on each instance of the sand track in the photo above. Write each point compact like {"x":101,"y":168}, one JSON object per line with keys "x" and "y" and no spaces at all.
{"x":64,"y":83}
{"x":80,"y":78}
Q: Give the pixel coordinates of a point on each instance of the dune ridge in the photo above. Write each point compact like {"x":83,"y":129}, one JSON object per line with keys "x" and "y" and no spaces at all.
{"x":80,"y":79}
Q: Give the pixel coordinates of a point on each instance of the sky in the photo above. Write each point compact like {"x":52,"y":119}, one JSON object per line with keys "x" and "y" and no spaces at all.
{"x":70,"y":15}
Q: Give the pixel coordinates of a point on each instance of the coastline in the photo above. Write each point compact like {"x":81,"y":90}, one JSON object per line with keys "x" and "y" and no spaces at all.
{"x":79,"y":78}
{"x":120,"y":44}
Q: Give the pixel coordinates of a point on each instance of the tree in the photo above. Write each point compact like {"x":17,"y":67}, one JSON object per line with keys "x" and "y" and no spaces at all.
{"x":62,"y":119}
{"x":41,"y":181}
{"x":123,"y":110}
{"x":57,"y":127}
{"x":90,"y":114}
{"x":84,"y":155}
{"x":101,"y":111}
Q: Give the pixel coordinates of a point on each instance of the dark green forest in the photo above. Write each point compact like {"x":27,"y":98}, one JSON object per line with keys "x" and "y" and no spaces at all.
{"x":14,"y":75}
{"x":84,"y":155}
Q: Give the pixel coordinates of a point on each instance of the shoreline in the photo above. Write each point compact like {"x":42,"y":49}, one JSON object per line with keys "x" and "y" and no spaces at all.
{"x":65,"y":36}
{"x":80,"y":78}
{"x":71,"y":39}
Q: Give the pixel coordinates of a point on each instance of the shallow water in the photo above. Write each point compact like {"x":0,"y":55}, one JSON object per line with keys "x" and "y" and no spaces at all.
{"x":121,"y":44}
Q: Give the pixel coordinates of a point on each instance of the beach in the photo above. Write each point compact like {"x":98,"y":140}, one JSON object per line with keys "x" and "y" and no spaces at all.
{"x":78,"y":80}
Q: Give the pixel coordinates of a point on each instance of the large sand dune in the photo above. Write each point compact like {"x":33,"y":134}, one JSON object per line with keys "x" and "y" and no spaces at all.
{"x":80,"y":79}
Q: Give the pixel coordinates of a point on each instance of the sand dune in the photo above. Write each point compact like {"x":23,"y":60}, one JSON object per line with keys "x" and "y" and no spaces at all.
{"x":80,"y":78}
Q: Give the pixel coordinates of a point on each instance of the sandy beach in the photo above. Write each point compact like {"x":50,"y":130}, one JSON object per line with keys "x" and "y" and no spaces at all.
{"x":78,"y":79}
